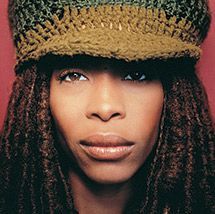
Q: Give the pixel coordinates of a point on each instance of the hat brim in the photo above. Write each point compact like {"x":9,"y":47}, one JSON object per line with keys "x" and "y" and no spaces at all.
{"x":115,"y":44}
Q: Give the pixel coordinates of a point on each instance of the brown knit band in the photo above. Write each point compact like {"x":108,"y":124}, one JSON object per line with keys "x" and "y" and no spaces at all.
{"x":124,"y":32}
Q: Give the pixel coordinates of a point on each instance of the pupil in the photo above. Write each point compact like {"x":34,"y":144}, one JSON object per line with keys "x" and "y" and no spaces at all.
{"x":74,"y":76}
{"x":136,"y":75}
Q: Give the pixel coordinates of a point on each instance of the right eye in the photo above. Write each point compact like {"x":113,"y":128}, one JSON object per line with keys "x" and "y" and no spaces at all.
{"x":71,"y":76}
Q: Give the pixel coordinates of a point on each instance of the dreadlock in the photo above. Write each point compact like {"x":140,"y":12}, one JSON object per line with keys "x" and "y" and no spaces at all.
{"x":180,"y":176}
{"x":31,"y":177}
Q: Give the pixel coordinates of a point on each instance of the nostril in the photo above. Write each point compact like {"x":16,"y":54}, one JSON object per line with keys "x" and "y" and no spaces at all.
{"x":106,"y":117}
{"x":115,"y":115}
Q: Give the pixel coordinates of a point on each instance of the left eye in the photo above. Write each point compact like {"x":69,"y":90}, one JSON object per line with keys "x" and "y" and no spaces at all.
{"x":136,"y":76}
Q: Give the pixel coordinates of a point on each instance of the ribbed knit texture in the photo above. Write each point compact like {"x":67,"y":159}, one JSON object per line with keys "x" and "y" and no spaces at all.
{"x":40,"y":23}
{"x":27,"y":13}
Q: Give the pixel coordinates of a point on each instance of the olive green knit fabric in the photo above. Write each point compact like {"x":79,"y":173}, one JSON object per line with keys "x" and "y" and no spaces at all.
{"x":126,"y":29}
{"x":26,"y":14}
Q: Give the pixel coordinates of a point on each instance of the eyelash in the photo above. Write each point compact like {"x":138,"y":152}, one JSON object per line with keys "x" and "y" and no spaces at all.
{"x":62,"y":77}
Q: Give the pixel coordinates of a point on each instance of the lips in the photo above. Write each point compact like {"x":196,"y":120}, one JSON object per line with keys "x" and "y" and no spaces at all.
{"x":106,"y":147}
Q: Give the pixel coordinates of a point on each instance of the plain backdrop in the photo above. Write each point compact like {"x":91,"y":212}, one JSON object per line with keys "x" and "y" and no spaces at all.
{"x":205,"y":67}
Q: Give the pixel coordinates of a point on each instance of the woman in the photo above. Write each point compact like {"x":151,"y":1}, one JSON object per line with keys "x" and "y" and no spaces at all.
{"x":107,"y":114}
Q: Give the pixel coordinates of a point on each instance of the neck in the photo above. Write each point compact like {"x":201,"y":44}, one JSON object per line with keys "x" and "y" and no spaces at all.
{"x":95,"y":198}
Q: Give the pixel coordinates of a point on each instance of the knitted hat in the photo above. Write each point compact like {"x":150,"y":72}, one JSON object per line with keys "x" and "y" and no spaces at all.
{"x":123,"y":29}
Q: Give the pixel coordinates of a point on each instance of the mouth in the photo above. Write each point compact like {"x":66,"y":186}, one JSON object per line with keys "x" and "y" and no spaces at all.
{"x":107,"y":147}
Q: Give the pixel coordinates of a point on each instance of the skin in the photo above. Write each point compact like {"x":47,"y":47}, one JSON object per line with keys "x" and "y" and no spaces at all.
{"x":102,"y":99}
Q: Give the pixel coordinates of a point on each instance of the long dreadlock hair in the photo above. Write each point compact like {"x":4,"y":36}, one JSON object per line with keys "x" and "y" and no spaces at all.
{"x":179,"y":176}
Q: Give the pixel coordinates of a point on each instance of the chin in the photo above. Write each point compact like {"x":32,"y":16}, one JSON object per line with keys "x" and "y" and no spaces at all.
{"x":109,"y":174}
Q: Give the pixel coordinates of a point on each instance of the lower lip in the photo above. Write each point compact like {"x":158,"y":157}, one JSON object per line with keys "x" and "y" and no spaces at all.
{"x":107,"y":153}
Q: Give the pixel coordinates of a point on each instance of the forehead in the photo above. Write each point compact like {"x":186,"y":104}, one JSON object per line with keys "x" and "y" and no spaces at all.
{"x":161,"y":67}
{"x":95,"y":63}
{"x":91,"y":62}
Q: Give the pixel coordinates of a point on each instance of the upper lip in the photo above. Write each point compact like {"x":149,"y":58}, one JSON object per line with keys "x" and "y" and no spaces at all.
{"x":106,"y":140}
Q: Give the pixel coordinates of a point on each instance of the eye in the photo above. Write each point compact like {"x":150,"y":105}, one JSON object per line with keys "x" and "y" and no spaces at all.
{"x":135,"y":76}
{"x":71,"y":76}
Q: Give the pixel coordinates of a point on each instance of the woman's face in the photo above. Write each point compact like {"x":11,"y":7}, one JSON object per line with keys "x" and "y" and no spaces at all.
{"x":107,"y":115}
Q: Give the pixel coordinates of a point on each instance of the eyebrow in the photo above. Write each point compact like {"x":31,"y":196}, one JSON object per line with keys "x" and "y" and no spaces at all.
{"x":117,"y":66}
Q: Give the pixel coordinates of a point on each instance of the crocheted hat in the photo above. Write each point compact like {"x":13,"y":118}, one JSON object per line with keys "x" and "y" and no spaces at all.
{"x":123,"y":29}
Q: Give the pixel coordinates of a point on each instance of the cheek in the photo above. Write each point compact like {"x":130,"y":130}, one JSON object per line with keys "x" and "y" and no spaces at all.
{"x":146,"y":110}
{"x":145,"y":118}
{"x":65,"y":105}
{"x":66,"y":114}
{"x":64,"y":108}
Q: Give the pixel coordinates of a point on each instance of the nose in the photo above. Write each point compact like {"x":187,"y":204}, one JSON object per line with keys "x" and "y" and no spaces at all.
{"x":106,"y":102}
